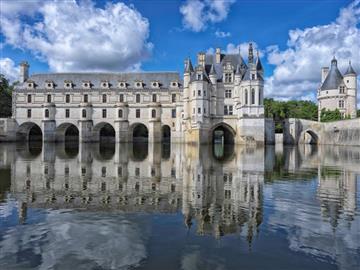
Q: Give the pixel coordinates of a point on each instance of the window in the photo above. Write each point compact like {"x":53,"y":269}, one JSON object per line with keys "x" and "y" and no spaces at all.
{"x":67,"y":98}
{"x":246,"y":96}
{"x":342,"y":89}
{"x":199,"y":76}
{"x":84,"y":113}
{"x":199,"y":93}
{"x":29,"y":113}
{"x":46,"y":113}
{"x":153,"y":97}
{"x":120,"y":171}
{"x":48,"y":98}
{"x":120,"y":113}
{"x":199,"y":110}
{"x":253,"y":76}
{"x":66,"y":171}
{"x":173,"y":172}
{"x":104,"y":98}
{"x":228,"y":110}
{"x":173,"y":97}
{"x":121,"y":97}
{"x":153,"y":113}
{"x":86,"y":98}
{"x":227,"y":93}
{"x":137,"y":98}
{"x":137,"y":113}
{"x":173,"y":113}
{"x":193,"y":110}
{"x":137,"y":171}
{"x":29,"y":98}
{"x":204,"y":110}
{"x":194,"y":93}
{"x":83,"y":171}
{"x":341,"y":104}
{"x":253,"y":96}
{"x":104,"y":113}
{"x":103,"y":171}
{"x":228,"y":77}
{"x":204,"y":94}
{"x":67,"y":113}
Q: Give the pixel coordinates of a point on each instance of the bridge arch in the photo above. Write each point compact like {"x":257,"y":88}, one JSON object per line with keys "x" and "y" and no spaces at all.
{"x":139,"y":132}
{"x":165,"y":133}
{"x":104,"y":131}
{"x":309,"y":136}
{"x":222,"y":133}
{"x":67,"y":132}
{"x":29,"y":131}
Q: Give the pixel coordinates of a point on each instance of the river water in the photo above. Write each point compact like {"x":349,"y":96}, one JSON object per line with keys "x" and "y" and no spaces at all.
{"x":152,"y":206}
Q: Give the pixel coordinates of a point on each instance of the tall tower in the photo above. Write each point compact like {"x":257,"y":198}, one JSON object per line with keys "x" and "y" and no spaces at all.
{"x":350,"y":81}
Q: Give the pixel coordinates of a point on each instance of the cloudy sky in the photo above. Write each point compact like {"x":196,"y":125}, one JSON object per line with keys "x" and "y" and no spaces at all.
{"x":295,"y":38}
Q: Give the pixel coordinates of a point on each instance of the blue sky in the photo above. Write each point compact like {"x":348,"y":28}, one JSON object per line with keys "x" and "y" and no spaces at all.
{"x":295,"y":38}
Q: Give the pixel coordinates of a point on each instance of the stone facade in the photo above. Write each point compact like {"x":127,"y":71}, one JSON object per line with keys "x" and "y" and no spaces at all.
{"x":338,"y":91}
{"x":222,"y":94}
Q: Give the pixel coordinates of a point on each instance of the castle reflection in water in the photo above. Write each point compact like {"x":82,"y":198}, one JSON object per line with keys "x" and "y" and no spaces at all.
{"x":220,"y":189}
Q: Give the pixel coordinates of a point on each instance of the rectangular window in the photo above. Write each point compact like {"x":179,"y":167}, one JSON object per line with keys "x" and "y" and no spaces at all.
{"x":227,"y":93}
{"x":137,"y":113}
{"x":173,"y":97}
{"x":230,"y":110}
{"x":173,"y":113}
{"x":154,"y":98}
{"x":194,"y":93}
{"x":48,"y":98}
{"x":204,"y":93}
{"x":67,"y":98}
{"x":86,"y":98}
{"x":104,"y":113}
{"x":228,"y":77}
{"x":204,"y":110}
{"x":46,"y":113}
{"x":226,"y":110}
{"x":137,"y":98}
{"x":199,"y":93}
{"x":137,"y":171}
{"x":29,"y":98}
{"x":193,"y":110}
{"x":29,"y":113}
{"x":104,"y":98}
{"x":67,"y":113}
{"x":120,"y":113}
{"x":121,"y":97}
{"x":199,"y":110}
{"x":120,"y":171}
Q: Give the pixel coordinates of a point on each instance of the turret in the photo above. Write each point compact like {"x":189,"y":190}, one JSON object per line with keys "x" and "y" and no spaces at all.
{"x":259,"y":67}
{"x":238,"y":74}
{"x":187,"y":72}
{"x":212,"y":75}
{"x":350,"y":77}
{"x":350,"y":81}
{"x":24,"y":71}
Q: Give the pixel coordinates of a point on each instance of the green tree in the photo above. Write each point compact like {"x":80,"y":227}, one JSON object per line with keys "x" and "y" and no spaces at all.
{"x":5,"y":96}
{"x":329,"y":115}
{"x":358,"y":113}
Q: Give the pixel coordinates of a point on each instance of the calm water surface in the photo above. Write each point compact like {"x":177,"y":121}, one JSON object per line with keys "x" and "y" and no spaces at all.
{"x":145,"y":206}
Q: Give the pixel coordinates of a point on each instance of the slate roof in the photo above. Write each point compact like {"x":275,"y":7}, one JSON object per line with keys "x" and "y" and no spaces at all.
{"x":350,"y":70}
{"x":164,"y":79}
{"x":334,"y":77}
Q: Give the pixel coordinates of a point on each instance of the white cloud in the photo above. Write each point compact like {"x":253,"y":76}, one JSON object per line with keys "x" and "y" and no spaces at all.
{"x":198,"y":13}
{"x":297,"y":68}
{"x":73,"y":36}
{"x":8,"y":69}
{"x":221,"y":34}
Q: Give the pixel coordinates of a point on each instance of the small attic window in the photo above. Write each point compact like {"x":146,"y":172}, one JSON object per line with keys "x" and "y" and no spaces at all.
{"x":155,"y":84}
{"x":105,"y":85}
{"x":199,"y":76}
{"x":174,"y":84}
{"x":68,"y":84}
{"x":30,"y":85}
{"x":86,"y":84}
{"x":138,"y":84}
{"x":122,"y":84}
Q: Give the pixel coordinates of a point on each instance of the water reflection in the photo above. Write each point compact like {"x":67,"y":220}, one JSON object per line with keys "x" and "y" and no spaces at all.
{"x":307,"y":195}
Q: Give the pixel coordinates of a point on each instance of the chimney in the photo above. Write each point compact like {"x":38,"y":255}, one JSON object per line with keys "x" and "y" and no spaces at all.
{"x":218,"y":56}
{"x":201,"y":59}
{"x":24,"y":71}
{"x":324,"y":73}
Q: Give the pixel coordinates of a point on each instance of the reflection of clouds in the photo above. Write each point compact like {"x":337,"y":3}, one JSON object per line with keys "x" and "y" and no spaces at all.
{"x":195,"y":260}
{"x":307,"y":231}
{"x":72,"y":238}
{"x":6,"y":209}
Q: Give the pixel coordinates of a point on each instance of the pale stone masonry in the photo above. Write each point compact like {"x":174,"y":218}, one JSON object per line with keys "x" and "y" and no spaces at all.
{"x":338,"y":91}
{"x":221,"y":93}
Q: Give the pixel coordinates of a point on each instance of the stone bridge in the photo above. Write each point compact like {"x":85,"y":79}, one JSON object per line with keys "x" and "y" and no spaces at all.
{"x":300,"y":131}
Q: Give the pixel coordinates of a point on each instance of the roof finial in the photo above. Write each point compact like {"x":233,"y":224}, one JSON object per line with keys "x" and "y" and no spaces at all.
{"x":251,"y":53}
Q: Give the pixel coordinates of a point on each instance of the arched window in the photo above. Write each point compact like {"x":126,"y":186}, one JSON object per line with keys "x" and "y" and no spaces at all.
{"x":246,"y":96}
{"x":120,"y":113}
{"x":253,"y":96}
{"x":153,"y":113}
{"x":46,"y":113}
{"x":84,"y":113}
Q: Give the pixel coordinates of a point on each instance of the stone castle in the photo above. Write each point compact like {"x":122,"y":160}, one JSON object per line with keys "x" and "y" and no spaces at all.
{"x":220,"y":98}
{"x":338,"y":91}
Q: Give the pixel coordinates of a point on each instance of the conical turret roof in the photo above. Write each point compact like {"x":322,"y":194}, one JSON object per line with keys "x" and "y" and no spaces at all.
{"x":334,"y":77}
{"x":350,"y":70}
{"x":188,"y":67}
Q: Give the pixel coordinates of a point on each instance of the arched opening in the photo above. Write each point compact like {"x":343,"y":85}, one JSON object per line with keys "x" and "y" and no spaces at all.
{"x":67,"y":132}
{"x":310,"y":137}
{"x":165,"y":134}
{"x":223,"y":134}
{"x":29,"y":132}
{"x":105,"y":132}
{"x":140,"y":133}
{"x":140,"y":151}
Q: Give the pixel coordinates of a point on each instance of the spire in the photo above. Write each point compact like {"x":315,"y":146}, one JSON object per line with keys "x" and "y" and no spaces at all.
{"x":238,"y":72}
{"x":258,"y":63}
{"x":212,"y":70}
{"x":350,"y":70}
{"x":334,"y":62}
{"x":188,"y":66}
{"x":251,"y":53}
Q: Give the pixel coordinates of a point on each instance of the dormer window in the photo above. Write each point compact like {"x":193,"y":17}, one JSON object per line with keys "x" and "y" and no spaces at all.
{"x":253,"y":76}
{"x":174,"y":84}
{"x":68,"y":84}
{"x":86,"y":84}
{"x":199,"y":77}
{"x":122,"y":85}
{"x":155,"y":84}
{"x":228,"y":77}
{"x":30,"y":85}
{"x":342,"y":89}
{"x":49,"y":84}
{"x":138,"y":84}
{"x":105,"y":84}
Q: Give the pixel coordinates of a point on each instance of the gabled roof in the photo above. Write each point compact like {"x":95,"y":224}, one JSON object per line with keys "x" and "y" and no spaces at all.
{"x":334,"y":77}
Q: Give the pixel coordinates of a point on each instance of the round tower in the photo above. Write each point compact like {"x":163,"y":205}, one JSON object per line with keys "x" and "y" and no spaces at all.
{"x":350,"y":81}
